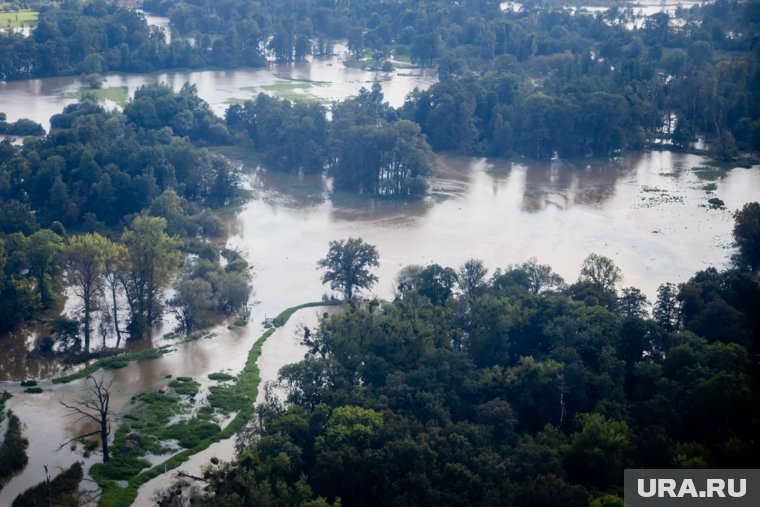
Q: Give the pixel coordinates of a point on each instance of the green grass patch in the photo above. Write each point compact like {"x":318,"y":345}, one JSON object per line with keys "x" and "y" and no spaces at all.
{"x":228,"y":398}
{"x":710,"y":188}
{"x":189,"y":433}
{"x":220,"y":377}
{"x":202,"y":335}
{"x":17,"y":19}
{"x":122,"y":467}
{"x":114,"y":362}
{"x":709,"y":173}
{"x":117,"y":94}
{"x":307,"y":98}
{"x":242,"y":393}
{"x":744,"y":162}
{"x":185,"y":386}
{"x":285,"y":315}
{"x":286,"y":87}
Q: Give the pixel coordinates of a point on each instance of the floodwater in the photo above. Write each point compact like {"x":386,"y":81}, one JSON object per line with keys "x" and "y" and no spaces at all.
{"x":161,"y":22}
{"x":323,"y":79}
{"x":648,"y":212}
{"x":639,"y":9}
{"x":283,"y":347}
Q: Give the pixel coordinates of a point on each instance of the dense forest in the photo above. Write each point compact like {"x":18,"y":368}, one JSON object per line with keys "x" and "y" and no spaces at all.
{"x":535,"y":82}
{"x":540,"y":82}
{"x":366,"y":147}
{"x":93,"y":38}
{"x":513,"y":389}
{"x":113,"y":199}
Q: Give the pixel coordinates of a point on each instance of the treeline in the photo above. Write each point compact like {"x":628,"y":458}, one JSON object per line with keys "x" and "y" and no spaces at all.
{"x":98,"y":174}
{"x":537,"y":83}
{"x":513,"y":389}
{"x":22,"y":127}
{"x":96,"y":37}
{"x":99,"y":167}
{"x":541,"y":81}
{"x":599,"y":87}
{"x":366,"y":148}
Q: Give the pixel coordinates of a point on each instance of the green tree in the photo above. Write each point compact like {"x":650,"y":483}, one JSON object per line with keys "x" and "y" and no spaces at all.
{"x":541,"y":277}
{"x":347,"y":266}
{"x":747,"y":236}
{"x":85,"y":256}
{"x":601,"y":271}
{"x":599,"y":451}
{"x":436,"y":283}
{"x":153,"y":258}
{"x":632,"y":303}
{"x":667,"y":308}
{"x":45,"y":254}
{"x":192,"y":303}
{"x":472,"y":277}
{"x":115,"y":270}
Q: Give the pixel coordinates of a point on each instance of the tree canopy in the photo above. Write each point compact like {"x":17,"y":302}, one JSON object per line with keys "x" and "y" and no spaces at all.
{"x":347,"y":266}
{"x":505,"y":396}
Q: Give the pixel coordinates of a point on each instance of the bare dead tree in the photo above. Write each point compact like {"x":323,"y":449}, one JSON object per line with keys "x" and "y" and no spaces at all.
{"x":94,"y":406}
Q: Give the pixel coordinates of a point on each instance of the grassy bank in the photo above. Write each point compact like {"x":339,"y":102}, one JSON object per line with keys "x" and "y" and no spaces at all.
{"x":114,"y":362}
{"x":116,"y":94}
{"x":16,"y":19}
{"x":239,"y":396}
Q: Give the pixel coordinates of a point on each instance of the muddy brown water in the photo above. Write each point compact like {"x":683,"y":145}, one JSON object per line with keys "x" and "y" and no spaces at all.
{"x":46,"y":424}
{"x":648,"y":212}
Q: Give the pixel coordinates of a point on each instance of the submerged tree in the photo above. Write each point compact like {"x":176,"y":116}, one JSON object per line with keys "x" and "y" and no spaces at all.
{"x":85,"y":256}
{"x":94,"y":405}
{"x":153,"y":259}
{"x":44,"y":251}
{"x":347,"y":266}
{"x":387,"y":158}
{"x":115,"y":278}
{"x":192,"y":304}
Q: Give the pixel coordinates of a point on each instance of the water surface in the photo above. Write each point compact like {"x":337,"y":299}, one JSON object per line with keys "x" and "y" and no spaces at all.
{"x":323,"y":79}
